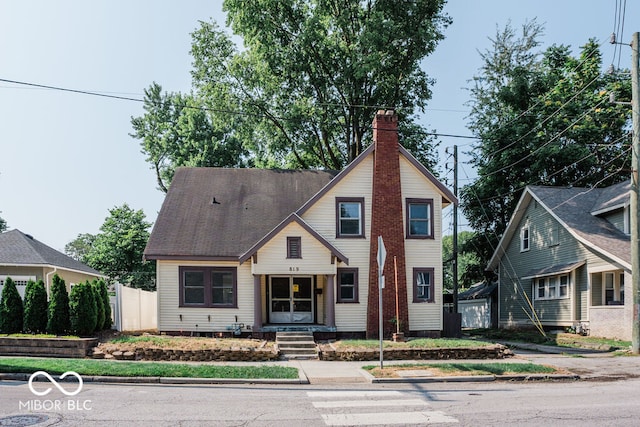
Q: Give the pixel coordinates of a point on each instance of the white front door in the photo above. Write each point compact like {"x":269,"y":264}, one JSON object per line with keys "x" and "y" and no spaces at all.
{"x":291,"y":299}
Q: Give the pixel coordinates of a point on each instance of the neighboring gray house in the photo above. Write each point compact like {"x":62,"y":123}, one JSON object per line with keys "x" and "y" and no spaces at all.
{"x":564,"y":260}
{"x":24,"y":258}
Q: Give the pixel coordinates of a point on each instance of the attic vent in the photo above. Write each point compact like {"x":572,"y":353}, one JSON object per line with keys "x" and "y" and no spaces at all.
{"x":29,"y":236}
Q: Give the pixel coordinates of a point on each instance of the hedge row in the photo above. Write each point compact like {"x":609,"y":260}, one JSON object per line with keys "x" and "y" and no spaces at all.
{"x":82,"y":312}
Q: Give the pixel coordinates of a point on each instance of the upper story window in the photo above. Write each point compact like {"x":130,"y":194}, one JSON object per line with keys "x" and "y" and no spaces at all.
{"x":349,"y":217}
{"x":419,"y":218}
{"x":294,"y":247}
{"x":423,"y":285}
{"x":524,"y":239}
{"x":208,"y":287}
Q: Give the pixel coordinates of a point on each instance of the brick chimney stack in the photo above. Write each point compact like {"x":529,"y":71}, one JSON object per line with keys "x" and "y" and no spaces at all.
{"x":387,"y":221}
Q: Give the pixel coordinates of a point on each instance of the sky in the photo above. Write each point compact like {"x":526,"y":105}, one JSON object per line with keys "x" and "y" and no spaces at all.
{"x":67,"y":158}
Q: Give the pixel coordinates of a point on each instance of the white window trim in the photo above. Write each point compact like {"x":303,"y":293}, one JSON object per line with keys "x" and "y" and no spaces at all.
{"x":556,"y":285}
{"x":523,"y":240}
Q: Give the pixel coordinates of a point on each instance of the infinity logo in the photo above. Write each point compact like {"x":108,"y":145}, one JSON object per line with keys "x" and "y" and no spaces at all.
{"x":54,"y":382}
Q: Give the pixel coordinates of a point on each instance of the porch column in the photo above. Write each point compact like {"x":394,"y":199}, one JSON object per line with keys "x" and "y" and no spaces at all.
{"x":329,"y":303}
{"x":257,"y":303}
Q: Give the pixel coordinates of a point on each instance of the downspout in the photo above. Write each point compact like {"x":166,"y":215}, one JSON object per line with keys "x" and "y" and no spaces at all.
{"x":55,"y":269}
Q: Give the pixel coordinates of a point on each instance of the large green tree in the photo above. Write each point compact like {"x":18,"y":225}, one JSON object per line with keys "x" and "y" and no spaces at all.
{"x":304,"y":89}
{"x":542,"y":118}
{"x":117,"y":250}
{"x":3,"y":225}
{"x":469,"y":265}
{"x":80,"y":247}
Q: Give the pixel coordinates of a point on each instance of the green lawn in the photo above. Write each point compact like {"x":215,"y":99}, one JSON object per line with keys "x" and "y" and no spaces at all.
{"x":144,"y":369}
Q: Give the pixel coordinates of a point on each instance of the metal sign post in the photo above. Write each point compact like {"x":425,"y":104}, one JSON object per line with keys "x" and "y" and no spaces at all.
{"x":381,"y":256}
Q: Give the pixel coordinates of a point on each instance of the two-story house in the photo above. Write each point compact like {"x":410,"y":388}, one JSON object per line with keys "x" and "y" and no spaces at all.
{"x":564,"y":259}
{"x":258,"y":251}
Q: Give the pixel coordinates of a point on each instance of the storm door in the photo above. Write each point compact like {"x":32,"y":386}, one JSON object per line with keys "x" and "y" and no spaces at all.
{"x":291,"y":299}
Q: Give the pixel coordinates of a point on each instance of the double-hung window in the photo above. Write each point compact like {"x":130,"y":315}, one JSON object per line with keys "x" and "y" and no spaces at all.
{"x":208,"y":286}
{"x":423,"y":285}
{"x":350,"y":217}
{"x":524,"y":239}
{"x":347,"y":285}
{"x":419,"y":218}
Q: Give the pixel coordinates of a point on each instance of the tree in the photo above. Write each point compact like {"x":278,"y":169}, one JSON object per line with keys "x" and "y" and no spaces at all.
{"x":80,"y":247}
{"x":58,"y":308}
{"x":3,"y":225}
{"x":104,"y":299}
{"x":118,"y":249}
{"x":469,"y":267}
{"x":100,"y":312}
{"x":35,"y":307}
{"x":542,"y":118}
{"x":303,"y":91}
{"x":11,"y":309}
{"x":83,"y":311}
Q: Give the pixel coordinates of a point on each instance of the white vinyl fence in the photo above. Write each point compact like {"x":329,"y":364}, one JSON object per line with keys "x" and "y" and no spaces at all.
{"x":134,"y":309}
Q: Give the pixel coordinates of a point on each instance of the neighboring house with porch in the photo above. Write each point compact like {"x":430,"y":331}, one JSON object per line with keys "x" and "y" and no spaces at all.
{"x":256,"y":251}
{"x":24,"y":258}
{"x":564,"y":260}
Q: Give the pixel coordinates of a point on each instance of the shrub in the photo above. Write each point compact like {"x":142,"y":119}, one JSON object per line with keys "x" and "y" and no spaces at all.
{"x":35,"y":307}
{"x":82,"y":309}
{"x":11,"y":310}
{"x":58,"y":308}
{"x":104,"y":297}
{"x":95,"y":288}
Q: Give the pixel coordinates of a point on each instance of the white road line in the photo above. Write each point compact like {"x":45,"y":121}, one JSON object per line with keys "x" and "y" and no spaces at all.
{"x":421,"y":418}
{"x":364,"y":393}
{"x":369,"y":403}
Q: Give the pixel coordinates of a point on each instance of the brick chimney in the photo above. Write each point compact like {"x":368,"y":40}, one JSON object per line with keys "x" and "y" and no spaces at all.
{"x":387,"y":221}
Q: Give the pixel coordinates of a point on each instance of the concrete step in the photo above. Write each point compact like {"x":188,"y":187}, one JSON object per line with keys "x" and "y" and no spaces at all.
{"x":297,"y":345}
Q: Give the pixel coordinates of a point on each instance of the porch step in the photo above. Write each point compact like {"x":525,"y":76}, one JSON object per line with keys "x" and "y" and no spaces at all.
{"x":297,"y":345}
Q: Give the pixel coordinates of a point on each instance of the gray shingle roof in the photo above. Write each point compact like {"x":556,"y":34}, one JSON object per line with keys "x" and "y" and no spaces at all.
{"x":574,"y":207}
{"x":249,"y":203}
{"x":17,"y":248}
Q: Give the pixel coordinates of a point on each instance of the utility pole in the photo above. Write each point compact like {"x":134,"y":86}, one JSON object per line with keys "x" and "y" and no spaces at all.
{"x":455,"y":230}
{"x":635,"y":189}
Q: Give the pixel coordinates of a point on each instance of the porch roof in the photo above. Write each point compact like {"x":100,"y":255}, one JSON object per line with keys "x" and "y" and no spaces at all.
{"x":553,"y":270}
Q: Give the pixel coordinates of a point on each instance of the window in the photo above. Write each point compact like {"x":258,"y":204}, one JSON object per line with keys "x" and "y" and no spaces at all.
{"x":554,"y":237}
{"x":423,"y":285}
{"x":419,"y":218}
{"x":208,"y":287}
{"x":294,"y":247}
{"x":349,"y":217}
{"x":524,"y":239}
{"x":347,"y":285}
{"x":552,"y":287}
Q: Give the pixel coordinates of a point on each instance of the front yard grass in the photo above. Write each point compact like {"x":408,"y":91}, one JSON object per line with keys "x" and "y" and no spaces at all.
{"x":143,"y":369}
{"x":463,"y":368}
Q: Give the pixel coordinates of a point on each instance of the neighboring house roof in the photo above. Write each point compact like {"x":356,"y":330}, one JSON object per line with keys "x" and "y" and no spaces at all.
{"x":574,"y":209}
{"x":220,"y":213}
{"x":479,"y":291}
{"x":17,"y":248}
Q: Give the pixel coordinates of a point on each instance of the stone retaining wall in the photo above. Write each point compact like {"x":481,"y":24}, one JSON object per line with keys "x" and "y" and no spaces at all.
{"x":221,"y":355}
{"x":329,"y":353}
{"x":46,"y":347}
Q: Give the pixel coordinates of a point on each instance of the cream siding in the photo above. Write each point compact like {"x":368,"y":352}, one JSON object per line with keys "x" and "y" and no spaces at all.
{"x":201,"y":320}
{"x":272,"y":257}
{"x":422,"y":252}
{"x":322,"y":218}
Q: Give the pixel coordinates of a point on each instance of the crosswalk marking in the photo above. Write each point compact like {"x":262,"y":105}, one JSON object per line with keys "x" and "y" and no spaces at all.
{"x":380,"y":418}
{"x":372,"y":403}
{"x":348,"y":393}
{"x":375,"y":400}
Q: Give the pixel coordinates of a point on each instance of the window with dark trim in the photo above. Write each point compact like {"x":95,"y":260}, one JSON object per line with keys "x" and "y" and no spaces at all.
{"x":423,"y":285}
{"x":349,"y":217}
{"x":294,"y":247}
{"x":419,"y":218}
{"x":208,"y":287}
{"x":524,"y":239}
{"x":347,"y":285}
